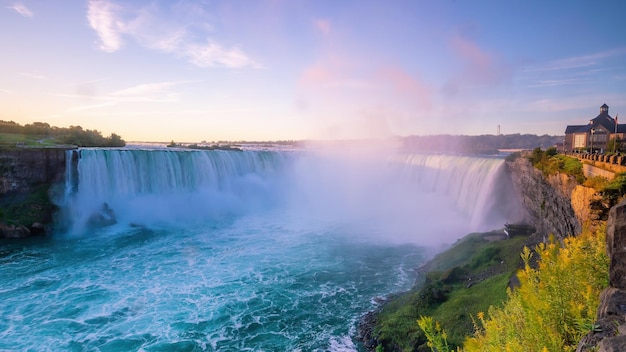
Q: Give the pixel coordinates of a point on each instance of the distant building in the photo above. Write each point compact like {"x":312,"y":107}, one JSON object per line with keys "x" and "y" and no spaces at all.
{"x":596,"y":134}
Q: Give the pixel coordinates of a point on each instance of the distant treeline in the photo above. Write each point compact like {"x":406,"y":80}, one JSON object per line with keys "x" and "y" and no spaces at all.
{"x":74,"y":135}
{"x":483,"y":144}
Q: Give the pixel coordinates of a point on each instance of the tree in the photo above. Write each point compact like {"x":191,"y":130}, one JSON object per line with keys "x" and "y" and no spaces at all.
{"x":614,"y":145}
{"x":116,"y":141}
{"x":38,"y":129}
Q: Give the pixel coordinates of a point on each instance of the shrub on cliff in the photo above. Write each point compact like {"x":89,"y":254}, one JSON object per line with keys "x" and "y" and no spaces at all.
{"x":611,"y":192}
{"x":551,"y":163}
{"x":555,"y":304}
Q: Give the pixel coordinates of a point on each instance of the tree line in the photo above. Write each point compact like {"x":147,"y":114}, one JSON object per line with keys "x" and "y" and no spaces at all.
{"x":482,"y":144}
{"x":74,"y":135}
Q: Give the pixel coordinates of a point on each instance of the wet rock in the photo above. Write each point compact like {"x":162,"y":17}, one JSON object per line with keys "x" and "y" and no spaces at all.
{"x":14,"y":231}
{"x":104,"y":217}
{"x":37,"y":229}
{"x":365,"y":331}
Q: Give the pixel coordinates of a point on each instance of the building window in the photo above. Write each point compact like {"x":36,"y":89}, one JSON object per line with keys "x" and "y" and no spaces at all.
{"x":580,"y":141}
{"x":599,"y":136}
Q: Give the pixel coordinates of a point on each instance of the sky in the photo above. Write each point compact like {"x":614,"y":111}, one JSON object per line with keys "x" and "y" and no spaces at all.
{"x":198,"y":70}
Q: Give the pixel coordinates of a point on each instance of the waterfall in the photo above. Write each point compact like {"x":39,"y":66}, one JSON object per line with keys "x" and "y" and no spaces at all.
{"x":479,"y":186}
{"x":144,"y":187}
{"x":391,"y":197}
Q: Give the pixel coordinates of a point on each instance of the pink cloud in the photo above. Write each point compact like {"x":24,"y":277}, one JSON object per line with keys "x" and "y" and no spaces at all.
{"x":323,"y":25}
{"x":315,"y":75}
{"x":403,"y":83}
{"x":22,"y":10}
{"x":471,"y":52}
{"x":479,"y":66}
{"x":332,"y":70}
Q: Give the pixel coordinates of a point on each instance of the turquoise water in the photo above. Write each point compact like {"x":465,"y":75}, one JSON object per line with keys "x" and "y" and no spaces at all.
{"x":235,"y":251}
{"x":249,"y":284}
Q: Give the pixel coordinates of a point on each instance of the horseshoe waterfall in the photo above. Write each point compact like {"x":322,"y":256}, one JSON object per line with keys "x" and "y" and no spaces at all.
{"x":255,"y":250}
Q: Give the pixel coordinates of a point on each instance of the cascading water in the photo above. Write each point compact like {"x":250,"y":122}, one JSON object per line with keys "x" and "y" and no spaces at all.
{"x":148,"y":187}
{"x":233,"y":251}
{"x":479,"y":186}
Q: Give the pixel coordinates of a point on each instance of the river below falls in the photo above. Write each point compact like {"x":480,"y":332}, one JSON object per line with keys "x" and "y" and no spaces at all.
{"x":261,"y":282}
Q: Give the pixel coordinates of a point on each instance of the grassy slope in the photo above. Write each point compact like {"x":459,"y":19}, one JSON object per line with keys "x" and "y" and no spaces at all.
{"x":458,"y":283}
{"x":11,"y":139}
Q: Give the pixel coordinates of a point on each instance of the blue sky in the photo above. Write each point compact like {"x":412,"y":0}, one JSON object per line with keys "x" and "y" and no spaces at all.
{"x":279,"y":69}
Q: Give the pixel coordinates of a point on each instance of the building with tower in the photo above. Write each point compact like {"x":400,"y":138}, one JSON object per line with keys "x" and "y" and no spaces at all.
{"x":596,"y":135}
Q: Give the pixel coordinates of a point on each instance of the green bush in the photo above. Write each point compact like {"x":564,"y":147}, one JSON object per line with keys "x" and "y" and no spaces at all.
{"x":551,"y":163}
{"x":555,"y":303}
{"x":554,"y":306}
{"x":458,"y":284}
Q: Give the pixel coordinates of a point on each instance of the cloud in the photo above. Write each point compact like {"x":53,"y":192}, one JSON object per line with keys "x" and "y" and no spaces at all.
{"x":212,"y":55}
{"x":355,"y":99}
{"x":22,"y":10}
{"x":404,"y":84}
{"x":335,"y":72}
{"x":323,"y":25}
{"x":5,"y":91}
{"x":577,"y":62}
{"x":149,"y":91}
{"x":580,"y":70}
{"x":317,"y":74}
{"x":33,"y":75}
{"x":557,"y":105}
{"x":103,"y":17}
{"x":555,"y":82}
{"x":480,"y":67}
{"x":146,"y":92}
{"x":90,"y":107}
{"x":180,"y":30}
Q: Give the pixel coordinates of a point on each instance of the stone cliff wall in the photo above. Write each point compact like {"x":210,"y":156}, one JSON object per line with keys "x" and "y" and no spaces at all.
{"x":21,"y":169}
{"x":548,"y":201}
{"x":26,"y":178}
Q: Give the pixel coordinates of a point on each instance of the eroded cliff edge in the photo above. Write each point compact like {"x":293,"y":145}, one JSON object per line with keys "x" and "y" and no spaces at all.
{"x":554,"y":204}
{"x":29,"y":177}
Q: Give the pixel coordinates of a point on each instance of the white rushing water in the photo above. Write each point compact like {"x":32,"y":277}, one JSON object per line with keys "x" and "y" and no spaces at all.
{"x":165,"y":250}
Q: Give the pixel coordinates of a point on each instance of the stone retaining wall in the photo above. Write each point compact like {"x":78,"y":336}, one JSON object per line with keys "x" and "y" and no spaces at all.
{"x":610,"y":163}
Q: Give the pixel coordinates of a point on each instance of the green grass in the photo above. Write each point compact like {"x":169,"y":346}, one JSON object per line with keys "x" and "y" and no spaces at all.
{"x":463,"y":304}
{"x":551,"y":163}
{"x":466,"y":279}
{"x":11,"y":140}
{"x":458,"y":254}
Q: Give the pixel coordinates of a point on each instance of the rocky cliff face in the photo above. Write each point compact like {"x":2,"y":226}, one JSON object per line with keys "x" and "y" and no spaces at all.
{"x":21,"y":169}
{"x":554,"y":205}
{"x":609,"y":332}
{"x":26,"y":176}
